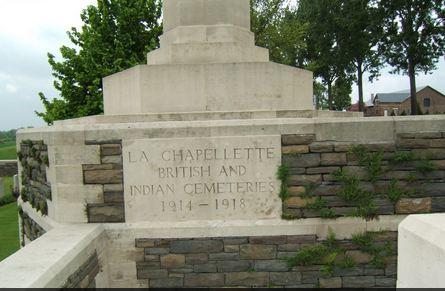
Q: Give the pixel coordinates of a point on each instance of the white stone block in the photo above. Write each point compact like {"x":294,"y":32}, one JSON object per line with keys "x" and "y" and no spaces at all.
{"x":421,"y":252}
{"x":208,"y":87}
{"x":202,"y":178}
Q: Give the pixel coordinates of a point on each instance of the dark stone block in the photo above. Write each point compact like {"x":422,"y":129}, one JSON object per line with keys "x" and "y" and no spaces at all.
{"x":247,"y":279}
{"x":110,"y":212}
{"x":234,"y":266}
{"x":321,"y":170}
{"x":434,"y":189}
{"x":301,"y":239}
{"x":302,"y":161}
{"x":340,"y":272}
{"x":359,"y":282}
{"x":103,"y":177}
{"x":235,"y":240}
{"x":285,"y":278}
{"x":204,"y":280}
{"x":321,"y":147}
{"x":333,"y":159}
{"x":223,"y":256}
{"x":148,"y":265}
{"x":171,"y":282}
{"x":258,"y":252}
{"x":156,"y":251}
{"x":151,"y":274}
{"x":288,"y":247}
{"x":111,"y":150}
{"x":301,"y":180}
{"x":310,"y":277}
{"x":385,"y":282}
{"x":296,"y":139}
{"x":194,"y":259}
{"x":145,"y":243}
{"x":205,"y":268}
{"x":271,"y":266}
{"x":268,"y":240}
{"x":195,"y":246}
{"x":113,"y":197}
{"x":438,"y":204}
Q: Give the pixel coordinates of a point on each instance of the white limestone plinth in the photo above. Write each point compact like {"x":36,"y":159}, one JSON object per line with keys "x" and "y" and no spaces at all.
{"x":421,"y":252}
{"x":208,"y":87}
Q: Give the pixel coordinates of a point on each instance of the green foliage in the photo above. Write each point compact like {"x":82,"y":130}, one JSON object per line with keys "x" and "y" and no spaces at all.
{"x":367,"y":244}
{"x":9,"y":238}
{"x":116,"y":35}
{"x":426,"y":166}
{"x":277,"y":28}
{"x":352,"y":192}
{"x":287,"y":216}
{"x":414,"y":37}
{"x":395,"y":192}
{"x":8,"y":151}
{"x":403,"y":157}
{"x":6,"y":199}
{"x":283,"y":176}
{"x":372,"y":161}
{"x":327,"y":254}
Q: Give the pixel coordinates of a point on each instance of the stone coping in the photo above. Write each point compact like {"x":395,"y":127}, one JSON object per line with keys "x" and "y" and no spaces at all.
{"x":48,"y":261}
{"x":51,"y":259}
{"x":197,"y":116}
{"x":344,"y":227}
{"x":351,"y":129}
{"x":421,"y":251}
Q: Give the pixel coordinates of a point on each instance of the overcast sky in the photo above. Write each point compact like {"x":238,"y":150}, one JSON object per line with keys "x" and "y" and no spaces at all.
{"x":29,"y":29}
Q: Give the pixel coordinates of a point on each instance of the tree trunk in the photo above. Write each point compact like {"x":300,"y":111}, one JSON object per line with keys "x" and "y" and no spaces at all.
{"x":413,"y":89}
{"x":361,"y":106}
{"x":330,"y":99}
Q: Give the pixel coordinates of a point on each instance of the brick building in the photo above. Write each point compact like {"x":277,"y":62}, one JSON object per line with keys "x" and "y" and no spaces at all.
{"x":429,"y":99}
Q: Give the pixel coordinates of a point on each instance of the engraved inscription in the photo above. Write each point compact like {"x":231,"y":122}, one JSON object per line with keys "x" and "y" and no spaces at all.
{"x":205,"y":178}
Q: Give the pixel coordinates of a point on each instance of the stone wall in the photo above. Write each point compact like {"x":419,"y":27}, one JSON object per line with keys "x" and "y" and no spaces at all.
{"x":85,"y":276}
{"x":30,"y":230}
{"x":109,"y":174}
{"x":36,"y":189}
{"x":259,"y":262}
{"x":331,"y":179}
{"x":8,"y":168}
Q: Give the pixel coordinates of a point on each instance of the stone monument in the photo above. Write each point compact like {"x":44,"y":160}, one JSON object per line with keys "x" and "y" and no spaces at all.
{"x":176,"y":184}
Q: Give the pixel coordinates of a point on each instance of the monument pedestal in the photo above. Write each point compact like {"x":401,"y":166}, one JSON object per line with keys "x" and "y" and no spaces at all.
{"x":176,"y":184}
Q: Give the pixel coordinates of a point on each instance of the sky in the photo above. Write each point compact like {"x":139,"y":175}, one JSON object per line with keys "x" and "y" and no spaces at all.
{"x":29,"y":29}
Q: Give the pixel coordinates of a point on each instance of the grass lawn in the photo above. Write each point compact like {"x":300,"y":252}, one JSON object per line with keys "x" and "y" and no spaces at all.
{"x":8,"y":151}
{"x":9,"y":230}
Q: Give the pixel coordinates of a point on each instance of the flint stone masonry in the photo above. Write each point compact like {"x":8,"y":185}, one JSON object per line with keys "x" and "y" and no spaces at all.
{"x":256,"y":262}
{"x":33,"y":158}
{"x":85,"y":276}
{"x":8,"y":168}
{"x":30,"y":230}
{"x":316,"y":168}
{"x":109,"y":174}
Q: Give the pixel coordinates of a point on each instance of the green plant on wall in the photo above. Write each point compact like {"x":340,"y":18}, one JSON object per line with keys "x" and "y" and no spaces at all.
{"x":316,"y":203}
{"x":283,"y":176}
{"x":352,"y":192}
{"x":376,"y":164}
{"x":379,"y":252}
{"x":371,"y":161}
{"x":327,"y":254}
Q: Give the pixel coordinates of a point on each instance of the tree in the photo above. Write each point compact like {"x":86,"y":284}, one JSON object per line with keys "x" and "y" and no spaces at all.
{"x":341,"y":92}
{"x":116,"y":35}
{"x":277,"y":28}
{"x":326,"y":56}
{"x":414,"y":38}
{"x":360,"y":29}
